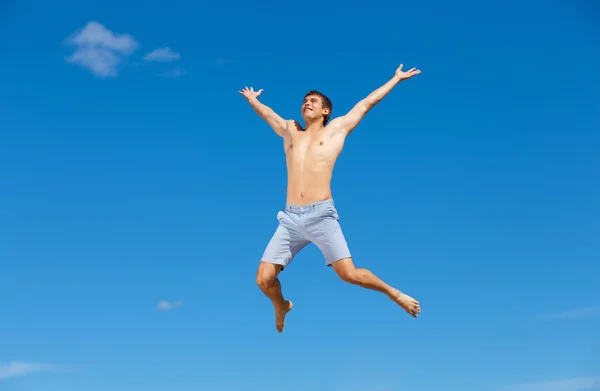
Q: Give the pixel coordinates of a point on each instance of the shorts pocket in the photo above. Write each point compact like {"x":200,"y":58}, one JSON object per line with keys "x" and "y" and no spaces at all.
{"x":332,"y":213}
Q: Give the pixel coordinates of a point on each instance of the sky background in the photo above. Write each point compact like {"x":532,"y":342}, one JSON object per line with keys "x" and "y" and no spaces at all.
{"x":138,"y":191}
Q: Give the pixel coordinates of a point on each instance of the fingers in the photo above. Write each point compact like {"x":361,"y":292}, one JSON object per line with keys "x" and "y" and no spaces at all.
{"x":244,"y":91}
{"x":249,"y":93}
{"x":412,"y":72}
{"x":407,"y":74}
{"x":251,"y":89}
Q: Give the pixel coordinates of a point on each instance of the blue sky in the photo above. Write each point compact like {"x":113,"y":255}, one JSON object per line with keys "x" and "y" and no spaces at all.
{"x":139,"y":190}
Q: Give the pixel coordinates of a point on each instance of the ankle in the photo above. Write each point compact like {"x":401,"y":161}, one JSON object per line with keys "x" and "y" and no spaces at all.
{"x":280,"y":303}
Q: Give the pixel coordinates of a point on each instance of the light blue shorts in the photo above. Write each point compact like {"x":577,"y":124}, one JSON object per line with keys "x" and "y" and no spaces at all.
{"x":300,"y":225}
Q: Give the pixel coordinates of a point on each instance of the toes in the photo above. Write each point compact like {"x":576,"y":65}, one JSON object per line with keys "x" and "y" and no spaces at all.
{"x":415,"y":311}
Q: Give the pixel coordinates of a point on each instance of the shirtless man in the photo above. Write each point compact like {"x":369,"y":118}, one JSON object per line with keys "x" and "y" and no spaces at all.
{"x":310,"y":214}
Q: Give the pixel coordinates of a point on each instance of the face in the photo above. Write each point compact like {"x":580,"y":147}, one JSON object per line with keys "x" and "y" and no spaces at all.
{"x":312,"y":108}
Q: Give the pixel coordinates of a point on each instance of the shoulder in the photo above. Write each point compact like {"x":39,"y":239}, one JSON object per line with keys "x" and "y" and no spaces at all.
{"x":336,"y":125}
{"x":291,"y":127}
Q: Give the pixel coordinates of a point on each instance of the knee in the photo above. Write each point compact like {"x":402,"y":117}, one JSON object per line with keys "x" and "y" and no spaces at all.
{"x":346,"y":270}
{"x":263,"y":280}
{"x":349,"y":275}
{"x":266,"y":274}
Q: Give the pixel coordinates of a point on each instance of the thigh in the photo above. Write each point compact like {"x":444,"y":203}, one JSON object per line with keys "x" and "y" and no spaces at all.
{"x":285,"y":243}
{"x":326,"y":233}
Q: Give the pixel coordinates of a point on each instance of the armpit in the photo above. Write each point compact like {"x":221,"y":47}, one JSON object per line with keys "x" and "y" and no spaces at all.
{"x":298,"y":126}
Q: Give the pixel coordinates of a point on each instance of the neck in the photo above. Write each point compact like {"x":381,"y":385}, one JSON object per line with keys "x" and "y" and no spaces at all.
{"x":314,"y":126}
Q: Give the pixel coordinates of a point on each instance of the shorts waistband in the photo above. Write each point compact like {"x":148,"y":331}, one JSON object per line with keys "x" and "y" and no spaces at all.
{"x":305,"y":207}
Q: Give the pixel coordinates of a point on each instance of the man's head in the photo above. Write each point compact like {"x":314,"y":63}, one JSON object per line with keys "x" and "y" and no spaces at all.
{"x":316,"y":105}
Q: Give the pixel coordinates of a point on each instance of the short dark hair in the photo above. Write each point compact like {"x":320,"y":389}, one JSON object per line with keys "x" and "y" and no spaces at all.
{"x":326,"y":103}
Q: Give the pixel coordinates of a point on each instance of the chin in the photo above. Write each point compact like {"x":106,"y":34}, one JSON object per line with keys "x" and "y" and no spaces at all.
{"x":308,"y":116}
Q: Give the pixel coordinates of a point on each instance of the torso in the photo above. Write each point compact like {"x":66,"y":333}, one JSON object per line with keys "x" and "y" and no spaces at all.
{"x":310,"y":158}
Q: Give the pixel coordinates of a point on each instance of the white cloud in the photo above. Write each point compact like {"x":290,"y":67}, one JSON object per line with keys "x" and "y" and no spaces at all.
{"x":99,"y":49}
{"x":574,"y":313}
{"x":574,"y":384}
{"x":164,"y":305}
{"x":19,"y":368}
{"x":163,"y":55}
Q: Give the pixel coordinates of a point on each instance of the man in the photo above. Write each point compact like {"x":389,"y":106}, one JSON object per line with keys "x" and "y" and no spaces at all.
{"x":310,"y":214}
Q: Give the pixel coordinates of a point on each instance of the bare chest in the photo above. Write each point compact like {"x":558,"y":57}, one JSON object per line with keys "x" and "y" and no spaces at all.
{"x":302,"y":144}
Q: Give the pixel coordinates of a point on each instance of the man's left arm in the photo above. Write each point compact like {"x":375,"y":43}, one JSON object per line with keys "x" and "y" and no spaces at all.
{"x":348,"y":122}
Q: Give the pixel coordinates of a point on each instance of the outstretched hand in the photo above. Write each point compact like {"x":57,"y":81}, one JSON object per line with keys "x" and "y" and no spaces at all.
{"x":249,"y":93}
{"x":400,"y":75}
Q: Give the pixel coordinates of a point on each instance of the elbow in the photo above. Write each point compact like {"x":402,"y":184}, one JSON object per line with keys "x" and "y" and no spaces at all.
{"x":367,"y":104}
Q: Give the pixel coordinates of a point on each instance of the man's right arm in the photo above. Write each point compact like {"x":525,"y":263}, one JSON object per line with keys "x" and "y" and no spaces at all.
{"x":265,"y":112}
{"x":271,"y":117}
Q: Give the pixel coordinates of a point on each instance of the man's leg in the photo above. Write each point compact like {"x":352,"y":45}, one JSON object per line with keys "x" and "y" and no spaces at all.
{"x":346,"y":270}
{"x":286,"y":242}
{"x":326,"y":233}
{"x":269,"y":284}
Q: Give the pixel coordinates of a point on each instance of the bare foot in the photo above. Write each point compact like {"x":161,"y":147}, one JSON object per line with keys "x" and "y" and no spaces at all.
{"x":280,"y":313}
{"x":409,"y":304}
